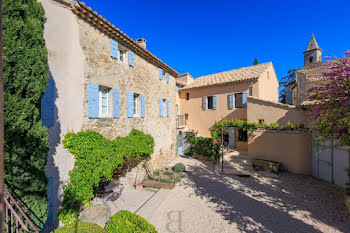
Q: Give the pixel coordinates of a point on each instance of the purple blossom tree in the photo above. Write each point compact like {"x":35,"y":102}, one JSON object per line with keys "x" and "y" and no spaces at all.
{"x":330,"y":110}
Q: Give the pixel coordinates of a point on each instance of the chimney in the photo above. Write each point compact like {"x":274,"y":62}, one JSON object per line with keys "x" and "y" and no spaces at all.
{"x":141,"y":42}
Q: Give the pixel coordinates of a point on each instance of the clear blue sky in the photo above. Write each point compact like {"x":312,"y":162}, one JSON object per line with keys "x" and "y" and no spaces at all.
{"x":205,"y":37}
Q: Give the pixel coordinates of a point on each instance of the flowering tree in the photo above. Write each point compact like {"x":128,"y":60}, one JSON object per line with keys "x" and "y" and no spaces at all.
{"x":330,"y":111}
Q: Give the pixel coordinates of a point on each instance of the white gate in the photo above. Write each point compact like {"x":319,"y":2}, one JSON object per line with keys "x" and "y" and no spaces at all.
{"x":330,"y":163}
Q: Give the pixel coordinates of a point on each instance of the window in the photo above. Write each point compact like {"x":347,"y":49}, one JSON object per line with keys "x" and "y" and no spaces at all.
{"x":242,"y":135}
{"x":210,"y":102}
{"x":104,"y":102}
{"x":137,"y":105}
{"x":311,"y":59}
{"x":186,"y":116}
{"x":122,"y":54}
{"x":239,"y":100}
{"x":187,"y":96}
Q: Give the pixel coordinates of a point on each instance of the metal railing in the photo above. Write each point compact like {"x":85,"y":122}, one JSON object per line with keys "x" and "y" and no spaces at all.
{"x":180,"y":121}
{"x":15,"y":218}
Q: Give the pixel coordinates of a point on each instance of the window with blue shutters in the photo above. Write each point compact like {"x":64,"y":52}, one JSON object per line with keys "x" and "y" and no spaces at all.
{"x":239,"y":100}
{"x":114,"y":49}
{"x":230,"y":101}
{"x":167,"y":108}
{"x":131,"y":58}
{"x":93,"y":100}
{"x":204,"y":103}
{"x":167,"y":78}
{"x":160,"y":74}
{"x":211,"y":102}
{"x":48,"y":105}
{"x":143,"y":109}
{"x":116,"y":103}
{"x":214,"y":102}
{"x":244,"y":99}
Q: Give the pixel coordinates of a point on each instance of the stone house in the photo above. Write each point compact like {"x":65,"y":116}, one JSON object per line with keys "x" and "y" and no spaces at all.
{"x":211,"y":98}
{"x":101,"y":80}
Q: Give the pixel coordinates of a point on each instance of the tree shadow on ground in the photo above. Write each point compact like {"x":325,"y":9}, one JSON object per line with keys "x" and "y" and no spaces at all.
{"x":261,"y":204}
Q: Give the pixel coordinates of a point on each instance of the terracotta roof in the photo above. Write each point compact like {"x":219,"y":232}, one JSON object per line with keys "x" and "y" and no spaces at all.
{"x":93,"y":18}
{"x":228,"y":77}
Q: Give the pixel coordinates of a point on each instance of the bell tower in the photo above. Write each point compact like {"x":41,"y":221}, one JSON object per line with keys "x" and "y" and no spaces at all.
{"x":313,"y":52}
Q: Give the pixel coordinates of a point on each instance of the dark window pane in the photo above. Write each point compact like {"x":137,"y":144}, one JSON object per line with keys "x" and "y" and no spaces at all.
{"x":239,"y":100}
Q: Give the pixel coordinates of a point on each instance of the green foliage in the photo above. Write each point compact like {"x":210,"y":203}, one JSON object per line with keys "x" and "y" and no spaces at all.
{"x":126,"y":222}
{"x":301,"y":125}
{"x":179,"y":167}
{"x":81,"y":227}
{"x":203,"y":146}
{"x":166,"y":176}
{"x":289,"y":126}
{"x":274,"y":125}
{"x":97,"y":157}
{"x":25,"y":79}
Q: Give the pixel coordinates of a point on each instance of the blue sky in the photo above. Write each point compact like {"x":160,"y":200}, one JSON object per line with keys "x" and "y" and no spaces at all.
{"x":205,"y":37}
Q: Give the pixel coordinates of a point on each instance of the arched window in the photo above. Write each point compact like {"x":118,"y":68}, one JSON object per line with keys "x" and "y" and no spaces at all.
{"x":311,"y":59}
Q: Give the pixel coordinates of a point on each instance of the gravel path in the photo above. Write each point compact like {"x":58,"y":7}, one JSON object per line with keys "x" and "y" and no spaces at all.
{"x":206,"y":201}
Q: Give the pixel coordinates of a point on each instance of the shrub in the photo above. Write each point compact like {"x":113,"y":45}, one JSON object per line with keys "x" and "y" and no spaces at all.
{"x":179,"y":167}
{"x":166,"y":176}
{"x":25,"y":79}
{"x":81,"y":227}
{"x":203,"y":146}
{"x":126,"y":222}
{"x":301,"y":125}
{"x":274,"y":125}
{"x":97,"y":157}
{"x":289,"y":126}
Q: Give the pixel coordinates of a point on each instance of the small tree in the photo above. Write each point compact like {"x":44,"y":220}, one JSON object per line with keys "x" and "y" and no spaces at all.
{"x":255,"y":61}
{"x":330,"y":111}
{"x":290,"y":77}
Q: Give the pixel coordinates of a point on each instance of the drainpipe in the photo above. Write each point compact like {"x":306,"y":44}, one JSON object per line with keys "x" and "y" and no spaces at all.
{"x":2,"y":207}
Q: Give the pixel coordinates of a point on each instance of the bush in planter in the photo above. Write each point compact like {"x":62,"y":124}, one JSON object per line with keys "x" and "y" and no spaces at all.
{"x":179,"y":167}
{"x":81,"y":227}
{"x":166,"y":176}
{"x":126,"y":222}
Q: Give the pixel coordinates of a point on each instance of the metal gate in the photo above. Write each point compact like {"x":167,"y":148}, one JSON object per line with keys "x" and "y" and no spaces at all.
{"x":330,"y":163}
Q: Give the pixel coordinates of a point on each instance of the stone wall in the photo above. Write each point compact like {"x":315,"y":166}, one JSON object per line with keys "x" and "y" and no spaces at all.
{"x":143,"y":78}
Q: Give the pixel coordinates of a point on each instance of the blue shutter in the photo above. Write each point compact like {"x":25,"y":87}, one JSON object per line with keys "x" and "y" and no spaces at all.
{"x":48,"y":105}
{"x":214,"y":102}
{"x":230,"y":101}
{"x":131,"y":58}
{"x":204,"y":102}
{"x":143,"y":112}
{"x":244,"y":99}
{"x":167,"y":78}
{"x":177,"y":88}
{"x":116,"y":103}
{"x":161,"y":107}
{"x":114,"y":49}
{"x":167,"y":108}
{"x":130,"y":104}
{"x":93,"y":100}
{"x":160,"y":74}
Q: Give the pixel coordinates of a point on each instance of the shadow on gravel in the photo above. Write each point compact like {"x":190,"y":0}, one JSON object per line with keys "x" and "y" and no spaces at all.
{"x":291,"y":203}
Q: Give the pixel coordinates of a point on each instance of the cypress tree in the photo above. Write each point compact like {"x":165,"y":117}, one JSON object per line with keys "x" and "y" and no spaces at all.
{"x":255,"y":61}
{"x":25,"y":81}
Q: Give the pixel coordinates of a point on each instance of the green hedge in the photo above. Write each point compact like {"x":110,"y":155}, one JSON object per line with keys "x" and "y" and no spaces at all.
{"x":97,"y":157}
{"x":203,"y":146}
{"x":81,"y":227}
{"x":25,"y":74}
{"x":126,"y":222}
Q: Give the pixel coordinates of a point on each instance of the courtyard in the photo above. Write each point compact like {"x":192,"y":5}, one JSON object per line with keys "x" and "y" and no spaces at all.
{"x":207,"y":201}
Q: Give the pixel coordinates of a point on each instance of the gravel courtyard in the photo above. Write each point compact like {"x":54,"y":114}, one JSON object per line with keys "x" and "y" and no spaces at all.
{"x":205,"y":201}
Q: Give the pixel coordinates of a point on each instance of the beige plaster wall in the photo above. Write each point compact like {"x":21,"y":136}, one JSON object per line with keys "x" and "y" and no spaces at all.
{"x":202,"y":120}
{"x":291,"y":148}
{"x":272,"y":112}
{"x":66,"y":64}
{"x":102,"y":69}
{"x":268,"y":85}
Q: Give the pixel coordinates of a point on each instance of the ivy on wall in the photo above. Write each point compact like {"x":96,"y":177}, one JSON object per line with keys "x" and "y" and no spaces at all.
{"x":25,"y":80}
{"x":97,"y":157}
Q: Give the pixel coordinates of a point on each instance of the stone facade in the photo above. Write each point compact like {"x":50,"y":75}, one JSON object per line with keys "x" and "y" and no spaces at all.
{"x":143,"y":78}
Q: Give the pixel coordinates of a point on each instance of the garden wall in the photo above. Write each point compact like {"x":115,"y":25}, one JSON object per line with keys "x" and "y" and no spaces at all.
{"x":272,"y":112}
{"x":291,"y":148}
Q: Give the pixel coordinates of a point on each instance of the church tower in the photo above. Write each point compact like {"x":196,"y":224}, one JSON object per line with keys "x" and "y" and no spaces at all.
{"x":313,"y":52}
